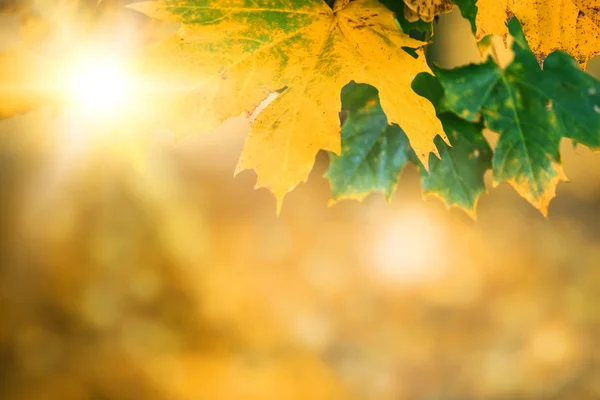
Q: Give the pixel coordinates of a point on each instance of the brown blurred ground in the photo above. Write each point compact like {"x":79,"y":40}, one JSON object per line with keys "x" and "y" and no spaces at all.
{"x":174,"y":280}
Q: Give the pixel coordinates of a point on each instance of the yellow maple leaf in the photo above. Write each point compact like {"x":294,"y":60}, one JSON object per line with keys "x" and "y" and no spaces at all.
{"x":231,"y":54}
{"x":569,"y":25}
{"x":426,"y":9}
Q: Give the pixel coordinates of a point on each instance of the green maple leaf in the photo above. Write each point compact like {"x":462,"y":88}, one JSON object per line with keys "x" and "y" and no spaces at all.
{"x":532,"y":110}
{"x":457,"y":177}
{"x":373,"y":152}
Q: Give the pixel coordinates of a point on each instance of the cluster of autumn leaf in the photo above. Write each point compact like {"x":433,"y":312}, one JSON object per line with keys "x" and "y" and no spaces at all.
{"x":228,"y":56}
{"x":308,"y":52}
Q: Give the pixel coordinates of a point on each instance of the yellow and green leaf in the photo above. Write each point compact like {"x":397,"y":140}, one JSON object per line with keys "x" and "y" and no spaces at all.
{"x":231,"y":54}
{"x":373,"y":154}
{"x":532,"y":110}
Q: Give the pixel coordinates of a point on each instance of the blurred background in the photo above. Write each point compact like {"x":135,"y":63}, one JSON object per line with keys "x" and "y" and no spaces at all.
{"x":164,"y":277}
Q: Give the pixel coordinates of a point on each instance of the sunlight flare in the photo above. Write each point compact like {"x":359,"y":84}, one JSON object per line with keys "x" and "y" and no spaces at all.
{"x":100,"y":87}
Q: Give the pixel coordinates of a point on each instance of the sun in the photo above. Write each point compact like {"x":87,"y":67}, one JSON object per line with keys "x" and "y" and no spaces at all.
{"x":99,"y":87}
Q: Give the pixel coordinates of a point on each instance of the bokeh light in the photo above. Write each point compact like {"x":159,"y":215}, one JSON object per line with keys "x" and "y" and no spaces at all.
{"x":409,"y":248}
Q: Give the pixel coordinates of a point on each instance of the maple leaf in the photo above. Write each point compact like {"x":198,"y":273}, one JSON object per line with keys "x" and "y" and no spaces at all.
{"x":457,"y":177}
{"x":532,"y":110}
{"x":569,"y":25}
{"x":245,"y":49}
{"x":373,"y":152}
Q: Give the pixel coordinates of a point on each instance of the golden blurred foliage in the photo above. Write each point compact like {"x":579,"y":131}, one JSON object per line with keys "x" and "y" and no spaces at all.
{"x":170,"y":279}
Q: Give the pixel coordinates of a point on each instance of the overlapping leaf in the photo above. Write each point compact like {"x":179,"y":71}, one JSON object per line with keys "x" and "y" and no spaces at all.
{"x":235,"y":52}
{"x":457,"y":178}
{"x":375,"y":153}
{"x":532,"y":110}
{"x":569,"y":25}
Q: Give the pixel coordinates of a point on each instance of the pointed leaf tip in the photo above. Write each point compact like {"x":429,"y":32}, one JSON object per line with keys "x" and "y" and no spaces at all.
{"x":530,"y":118}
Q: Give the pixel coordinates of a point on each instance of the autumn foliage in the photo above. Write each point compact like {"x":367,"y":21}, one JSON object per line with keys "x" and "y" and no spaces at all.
{"x":313,"y":59}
